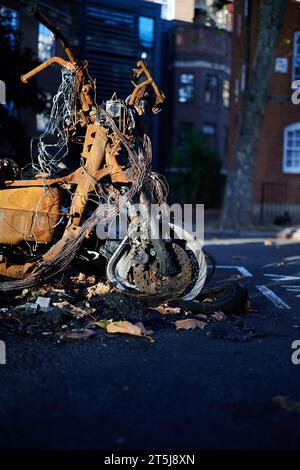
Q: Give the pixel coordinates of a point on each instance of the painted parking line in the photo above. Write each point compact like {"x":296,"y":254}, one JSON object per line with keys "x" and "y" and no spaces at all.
{"x":282,"y":277}
{"x":288,"y":260}
{"x":277,"y":301}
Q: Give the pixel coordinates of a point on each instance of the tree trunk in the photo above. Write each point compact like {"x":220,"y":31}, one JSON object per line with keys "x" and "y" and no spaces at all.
{"x":238,"y":203}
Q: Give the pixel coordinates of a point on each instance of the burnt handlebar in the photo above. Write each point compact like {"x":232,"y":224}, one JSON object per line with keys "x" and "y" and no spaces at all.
{"x":33,"y":10}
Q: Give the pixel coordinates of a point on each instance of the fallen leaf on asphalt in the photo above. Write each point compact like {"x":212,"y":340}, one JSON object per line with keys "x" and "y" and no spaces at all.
{"x":286,"y":404}
{"x":98,"y":289}
{"x":189,"y":324}
{"x":164,"y":309}
{"x":125,"y":327}
{"x":218,"y":316}
{"x":82,"y":333}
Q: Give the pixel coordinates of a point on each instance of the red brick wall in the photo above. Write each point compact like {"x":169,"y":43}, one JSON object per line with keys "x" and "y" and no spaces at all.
{"x":280,"y":111}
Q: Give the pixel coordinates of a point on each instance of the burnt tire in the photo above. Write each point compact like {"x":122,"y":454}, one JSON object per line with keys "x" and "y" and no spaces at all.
{"x":229,"y":297}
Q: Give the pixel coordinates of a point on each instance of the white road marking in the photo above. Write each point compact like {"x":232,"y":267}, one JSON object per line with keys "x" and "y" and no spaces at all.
{"x":293,"y":287}
{"x":242,"y":270}
{"x":282,"y":278}
{"x":291,"y":260}
{"x":277,"y":301}
{"x":288,"y":260}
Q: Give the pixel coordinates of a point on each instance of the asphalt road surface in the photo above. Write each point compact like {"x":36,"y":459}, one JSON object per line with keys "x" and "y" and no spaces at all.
{"x":186,"y":390}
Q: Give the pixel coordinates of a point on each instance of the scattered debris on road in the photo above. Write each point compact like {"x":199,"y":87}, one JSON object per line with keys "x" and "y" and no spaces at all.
{"x":78,"y":307}
{"x":190,"y":324}
{"x":126,"y":327}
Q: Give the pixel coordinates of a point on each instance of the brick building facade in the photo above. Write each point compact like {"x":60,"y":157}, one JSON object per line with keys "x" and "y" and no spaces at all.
{"x":200,"y":73}
{"x":277,"y":177}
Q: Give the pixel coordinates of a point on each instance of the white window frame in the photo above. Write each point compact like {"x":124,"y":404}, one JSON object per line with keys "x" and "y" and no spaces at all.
{"x":46,"y":43}
{"x":186,"y":82}
{"x":167,"y":9}
{"x":292,"y":169}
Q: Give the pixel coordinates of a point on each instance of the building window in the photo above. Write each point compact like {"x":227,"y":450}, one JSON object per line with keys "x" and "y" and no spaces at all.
{"x":209,"y":135}
{"x":291,"y":149}
{"x":183,"y":130}
{"x":42,"y":119}
{"x":223,"y":17}
{"x":111,"y":32}
{"x":46,"y":46}
{"x":146,"y":31}
{"x":211,"y":91}
{"x":186,"y":90}
{"x":167,"y":9}
{"x":281,"y":65}
{"x":296,"y":57}
{"x":10,"y":21}
{"x":226,"y":93}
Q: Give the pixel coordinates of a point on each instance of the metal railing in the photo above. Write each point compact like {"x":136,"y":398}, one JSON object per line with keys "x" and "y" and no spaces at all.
{"x":280,"y":200}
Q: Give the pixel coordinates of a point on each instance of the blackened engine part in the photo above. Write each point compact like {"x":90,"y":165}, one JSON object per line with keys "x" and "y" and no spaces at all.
{"x":196,"y":260}
{"x":149,"y":282}
{"x":109,"y":248}
{"x":9,"y":170}
{"x":168,"y":262}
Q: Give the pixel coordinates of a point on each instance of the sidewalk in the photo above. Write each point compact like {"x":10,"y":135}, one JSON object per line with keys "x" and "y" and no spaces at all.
{"x":212,"y":219}
{"x":211,"y":232}
{"x":277,"y":233}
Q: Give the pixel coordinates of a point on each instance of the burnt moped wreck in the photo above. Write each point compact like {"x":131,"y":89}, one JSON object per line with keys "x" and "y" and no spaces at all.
{"x":48,"y":219}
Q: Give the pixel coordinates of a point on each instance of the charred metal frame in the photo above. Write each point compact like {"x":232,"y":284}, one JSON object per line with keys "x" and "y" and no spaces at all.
{"x":100,"y":151}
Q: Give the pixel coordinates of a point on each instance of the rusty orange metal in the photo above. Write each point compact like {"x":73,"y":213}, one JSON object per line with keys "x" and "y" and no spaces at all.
{"x":53,"y":60}
{"x":139,"y":90}
{"x":29,"y":214}
{"x":30,"y":210}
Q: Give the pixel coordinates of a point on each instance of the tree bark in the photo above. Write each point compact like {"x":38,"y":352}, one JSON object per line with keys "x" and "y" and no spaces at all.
{"x":238,"y":202}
